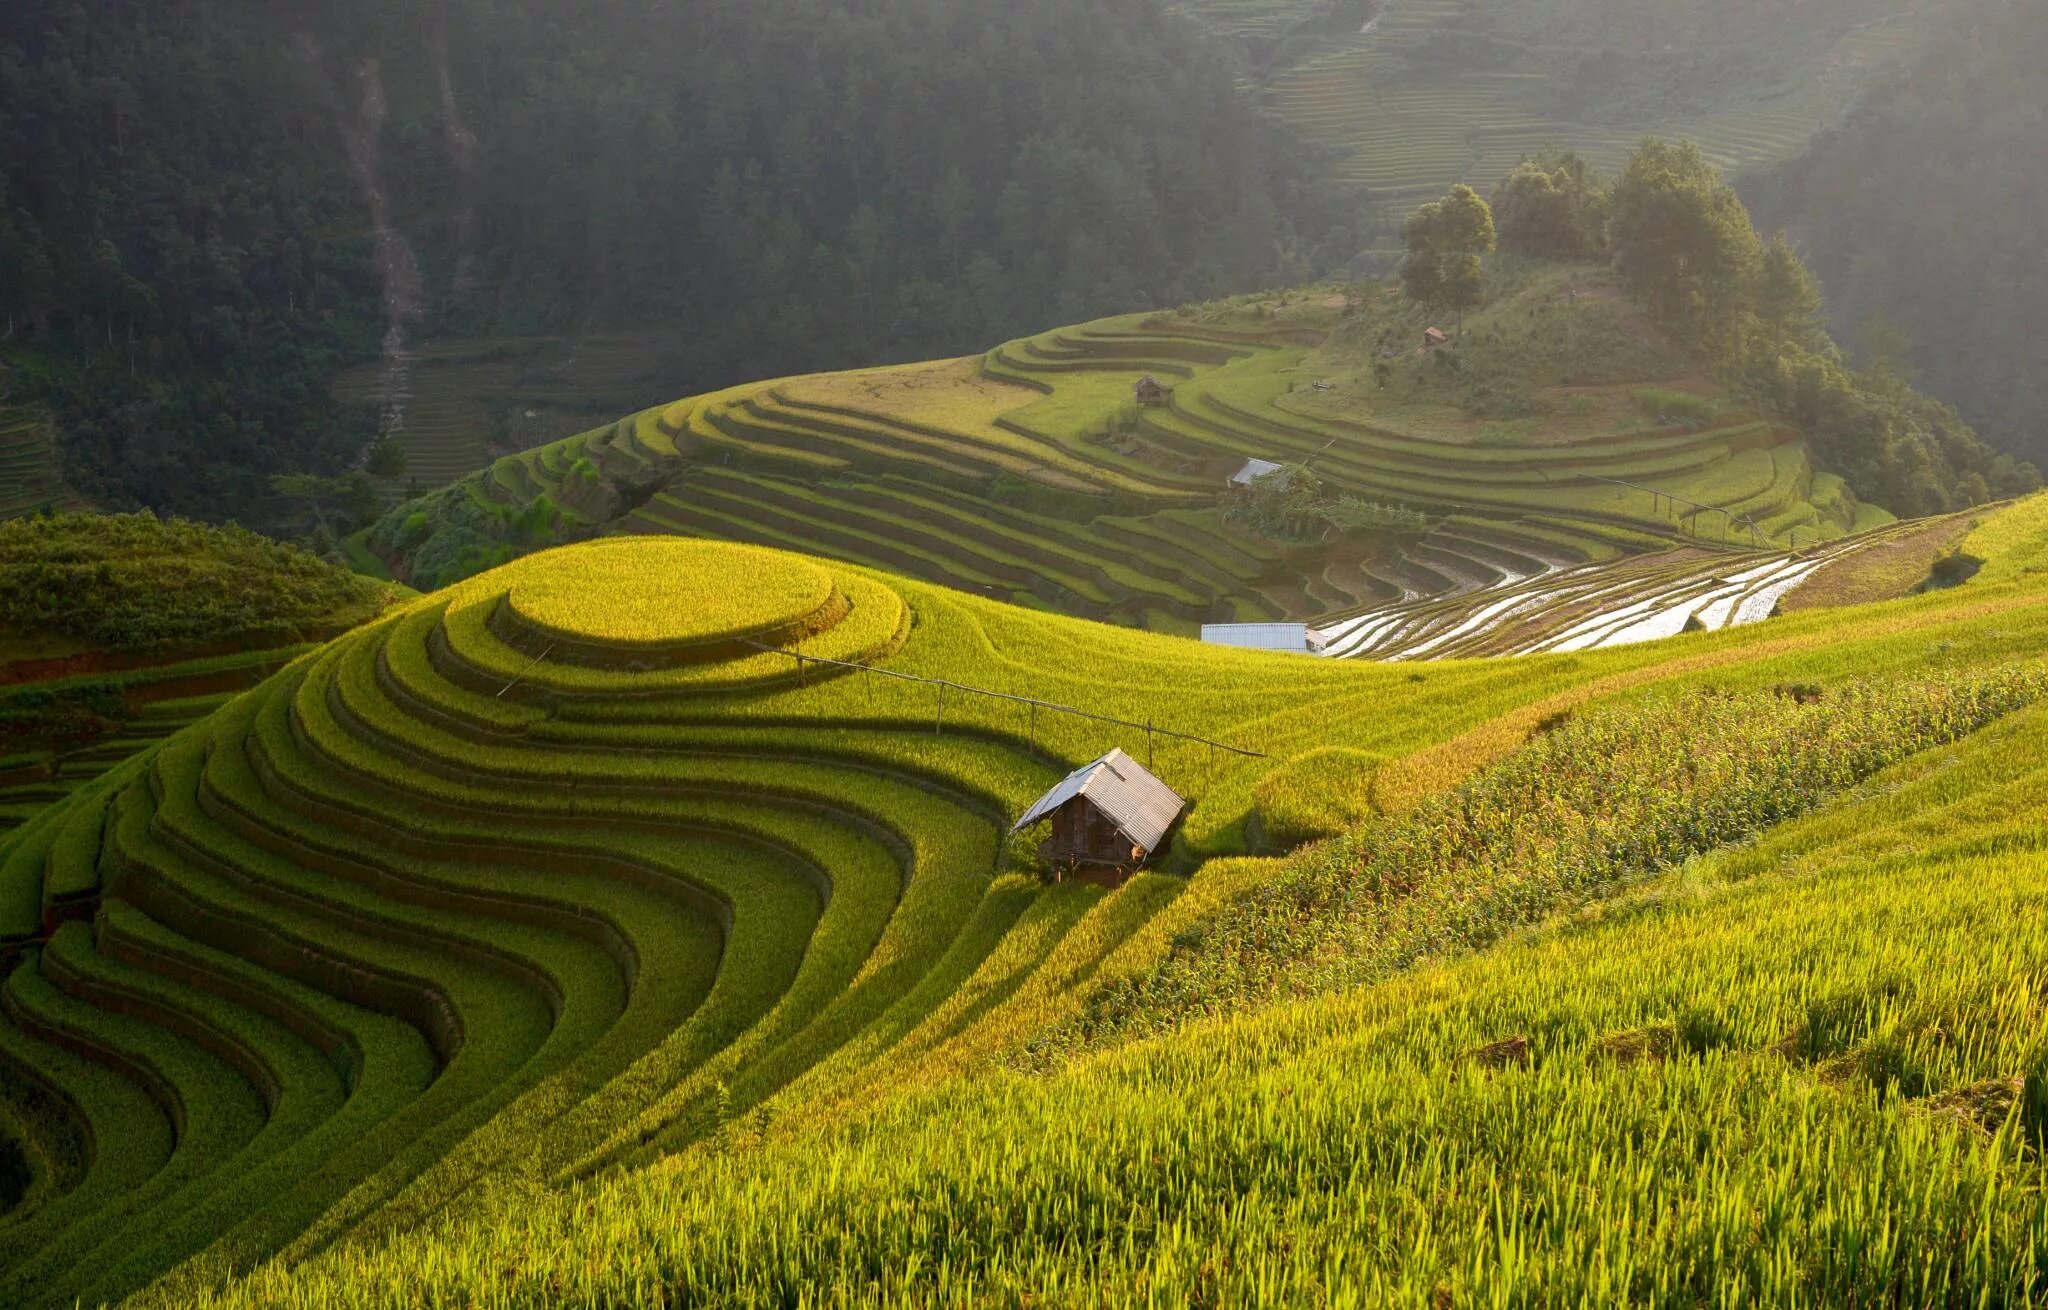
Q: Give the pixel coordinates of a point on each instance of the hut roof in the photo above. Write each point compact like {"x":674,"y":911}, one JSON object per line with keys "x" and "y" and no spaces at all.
{"x":1142,"y":807}
{"x":1253,"y":470}
{"x":1265,"y":636}
{"x":1436,"y":334}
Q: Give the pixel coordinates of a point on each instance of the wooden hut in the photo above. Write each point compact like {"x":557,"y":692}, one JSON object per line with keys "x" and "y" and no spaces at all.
{"x":1150,"y":391}
{"x":1434,"y":337}
{"x":1109,"y":815}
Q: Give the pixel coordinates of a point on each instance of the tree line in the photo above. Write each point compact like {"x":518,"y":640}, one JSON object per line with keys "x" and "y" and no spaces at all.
{"x":1926,"y":212}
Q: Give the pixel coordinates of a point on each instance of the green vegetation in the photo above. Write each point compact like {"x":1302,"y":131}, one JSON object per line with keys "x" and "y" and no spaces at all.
{"x":1676,"y":406}
{"x":1918,"y":214}
{"x":520,"y":242}
{"x":664,"y":988}
{"x":135,"y":582}
{"x":1682,"y":244}
{"x":1435,"y":92}
{"x":31,"y":478}
{"x":1676,"y":392}
{"x":1032,"y":475}
{"x":1596,"y":801}
{"x":118,"y":631}
{"x":1445,"y":240}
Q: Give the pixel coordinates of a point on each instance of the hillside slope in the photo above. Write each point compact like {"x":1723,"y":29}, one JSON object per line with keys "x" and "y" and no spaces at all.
{"x":376,"y":183}
{"x":1414,"y":95}
{"x":1563,"y":430}
{"x":593,"y":858}
{"x":1922,"y":212}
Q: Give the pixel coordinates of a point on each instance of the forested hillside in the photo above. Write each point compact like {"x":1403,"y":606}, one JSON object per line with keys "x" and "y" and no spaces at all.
{"x":205,"y":208}
{"x":1929,"y":208}
{"x":182,"y":253}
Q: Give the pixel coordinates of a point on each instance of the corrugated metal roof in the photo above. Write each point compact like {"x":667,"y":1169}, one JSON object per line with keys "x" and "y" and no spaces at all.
{"x":1258,"y":636}
{"x":1253,"y":470}
{"x":1142,"y":807}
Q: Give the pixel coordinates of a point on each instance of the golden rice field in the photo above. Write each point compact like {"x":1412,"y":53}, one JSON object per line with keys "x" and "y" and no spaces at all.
{"x":668,"y":593}
{"x":446,"y":968}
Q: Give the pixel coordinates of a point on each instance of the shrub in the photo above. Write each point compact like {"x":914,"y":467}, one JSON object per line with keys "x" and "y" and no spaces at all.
{"x":131,"y":582}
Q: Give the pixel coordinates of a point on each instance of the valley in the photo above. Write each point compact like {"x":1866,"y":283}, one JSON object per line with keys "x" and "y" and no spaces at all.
{"x":939,"y":653}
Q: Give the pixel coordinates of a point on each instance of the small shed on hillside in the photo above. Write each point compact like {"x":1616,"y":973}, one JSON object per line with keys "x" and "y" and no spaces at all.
{"x":1111,"y":814}
{"x":1151,"y":391}
{"x":1434,"y":337}
{"x":1296,"y":638}
{"x":1255,"y":470}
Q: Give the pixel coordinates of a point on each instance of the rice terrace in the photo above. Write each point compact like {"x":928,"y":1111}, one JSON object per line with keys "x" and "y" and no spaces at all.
{"x":1419,"y":720}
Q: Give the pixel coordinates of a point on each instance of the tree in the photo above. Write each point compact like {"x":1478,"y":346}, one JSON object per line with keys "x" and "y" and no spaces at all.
{"x":1445,"y":240}
{"x":1787,"y":296}
{"x":386,"y":458}
{"x":1683,"y":243}
{"x":1553,"y":207}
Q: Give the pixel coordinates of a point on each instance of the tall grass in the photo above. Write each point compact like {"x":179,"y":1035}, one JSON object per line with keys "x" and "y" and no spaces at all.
{"x":1602,"y":798}
{"x":1819,"y":1085}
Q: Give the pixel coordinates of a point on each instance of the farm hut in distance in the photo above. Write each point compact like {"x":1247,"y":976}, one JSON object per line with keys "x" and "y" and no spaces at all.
{"x":1151,"y":391}
{"x":1111,"y":814}
{"x":1293,"y":638}
{"x":1255,"y":470}
{"x":1434,"y":337}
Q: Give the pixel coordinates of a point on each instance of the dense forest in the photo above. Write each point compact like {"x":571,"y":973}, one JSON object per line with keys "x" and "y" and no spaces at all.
{"x":1925,"y":216}
{"x":206,"y":206}
{"x":182,"y":263}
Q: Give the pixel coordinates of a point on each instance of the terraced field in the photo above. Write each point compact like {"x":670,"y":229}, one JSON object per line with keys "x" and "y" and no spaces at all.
{"x":1435,"y":92}
{"x":154,"y":703}
{"x":596,"y":858}
{"x":1484,"y":597}
{"x":463,"y":398}
{"x":1029,"y":475}
{"x":31,"y":471}
{"x":497,"y":870}
{"x":1258,"y":20}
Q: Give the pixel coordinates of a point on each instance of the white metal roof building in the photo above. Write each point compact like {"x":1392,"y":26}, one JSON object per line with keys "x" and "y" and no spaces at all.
{"x":1253,"y":471}
{"x":1296,"y":637}
{"x":1143,"y":808}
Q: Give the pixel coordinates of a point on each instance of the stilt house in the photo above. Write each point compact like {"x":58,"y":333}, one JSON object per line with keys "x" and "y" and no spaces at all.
{"x":1111,"y":814}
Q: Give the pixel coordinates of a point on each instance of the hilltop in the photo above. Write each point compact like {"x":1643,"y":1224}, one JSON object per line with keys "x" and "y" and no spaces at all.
{"x":586,"y":909}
